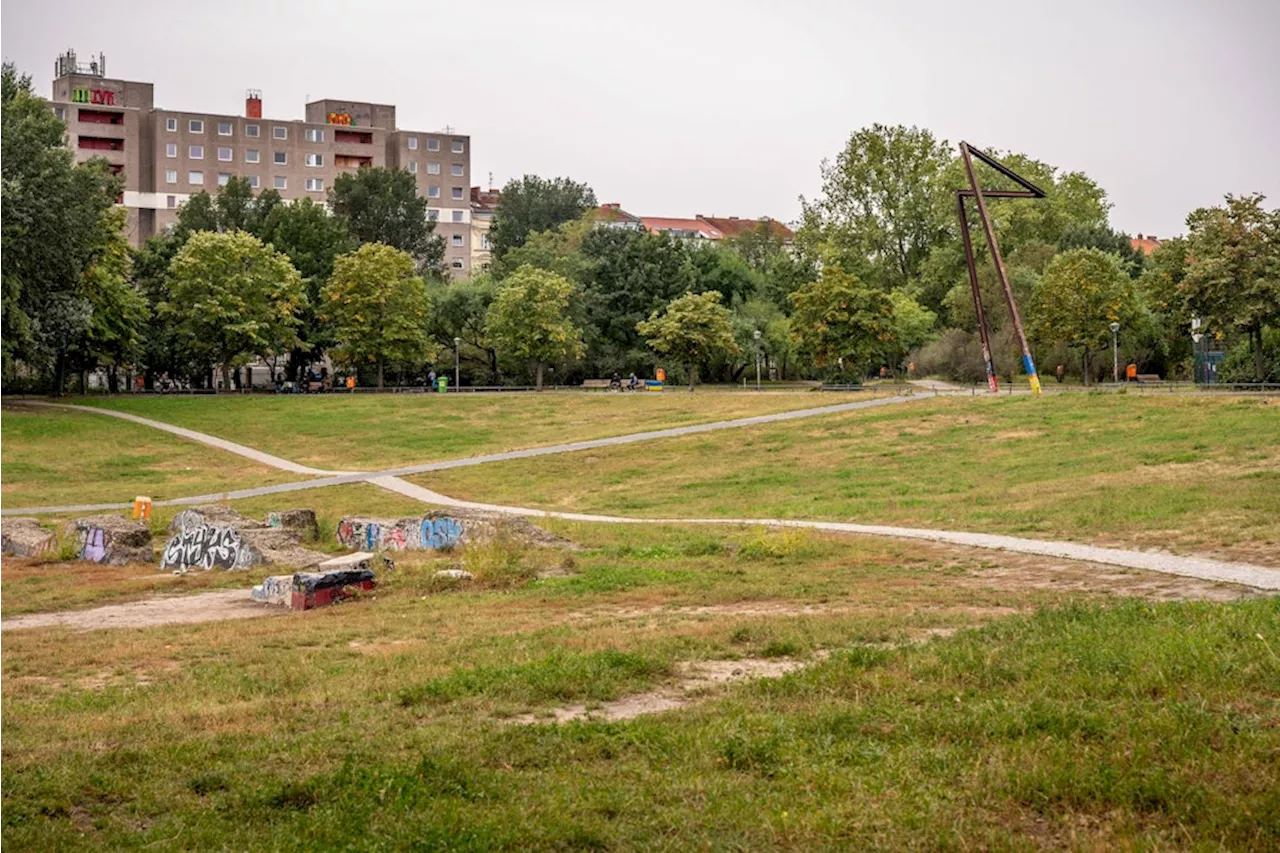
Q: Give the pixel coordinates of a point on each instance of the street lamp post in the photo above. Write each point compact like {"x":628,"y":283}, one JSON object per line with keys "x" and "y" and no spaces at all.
{"x":457,"y":342}
{"x":1196,"y":372}
{"x":756,"y":335}
{"x":1115,"y":354}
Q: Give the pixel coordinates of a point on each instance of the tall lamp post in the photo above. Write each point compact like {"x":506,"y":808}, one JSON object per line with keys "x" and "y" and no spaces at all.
{"x":756,"y":335}
{"x":1115,"y":354}
{"x":1196,"y":372}
{"x":457,"y":342}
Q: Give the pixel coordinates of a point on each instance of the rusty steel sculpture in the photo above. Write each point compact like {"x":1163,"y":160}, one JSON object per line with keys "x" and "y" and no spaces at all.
{"x":979,"y":195}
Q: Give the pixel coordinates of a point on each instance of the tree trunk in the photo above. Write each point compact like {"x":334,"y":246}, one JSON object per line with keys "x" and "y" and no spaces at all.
{"x":539,"y":376}
{"x":113,"y":377}
{"x":1084,"y":363}
{"x":1259,"y":357}
{"x":379,"y":374}
{"x":693,"y":376}
{"x":84,"y":382}
{"x":493,"y":367}
{"x":226,"y":376}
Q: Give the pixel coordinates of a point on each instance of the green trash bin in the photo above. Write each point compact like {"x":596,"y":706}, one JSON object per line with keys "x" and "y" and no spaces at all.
{"x":442,"y":384}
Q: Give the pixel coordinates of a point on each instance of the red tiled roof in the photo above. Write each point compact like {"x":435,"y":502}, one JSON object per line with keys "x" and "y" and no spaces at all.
{"x":658,"y":224}
{"x":614,"y":213}
{"x":733,"y":226}
{"x":1146,"y":245}
{"x":484,"y":199}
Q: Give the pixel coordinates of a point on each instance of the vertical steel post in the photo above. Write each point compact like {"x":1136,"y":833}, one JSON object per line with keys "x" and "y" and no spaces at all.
{"x":983,"y":333}
{"x":1027,"y":362}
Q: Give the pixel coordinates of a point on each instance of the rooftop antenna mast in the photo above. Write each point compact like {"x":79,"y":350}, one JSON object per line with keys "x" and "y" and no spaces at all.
{"x":979,"y":195}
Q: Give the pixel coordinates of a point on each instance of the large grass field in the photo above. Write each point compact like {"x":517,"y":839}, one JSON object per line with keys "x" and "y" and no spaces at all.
{"x":1183,"y":473}
{"x":935,"y":697}
{"x":368,"y":432}
{"x":948,"y":703}
{"x":57,"y":457}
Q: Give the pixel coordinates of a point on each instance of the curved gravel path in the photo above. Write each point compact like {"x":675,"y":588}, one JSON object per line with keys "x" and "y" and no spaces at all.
{"x":1197,"y":567}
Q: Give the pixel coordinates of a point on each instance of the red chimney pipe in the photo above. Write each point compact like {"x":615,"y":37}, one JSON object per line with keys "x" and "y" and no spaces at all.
{"x":253,"y":104}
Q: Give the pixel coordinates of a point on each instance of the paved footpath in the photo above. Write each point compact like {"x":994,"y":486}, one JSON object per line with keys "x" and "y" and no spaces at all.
{"x":1204,"y":568}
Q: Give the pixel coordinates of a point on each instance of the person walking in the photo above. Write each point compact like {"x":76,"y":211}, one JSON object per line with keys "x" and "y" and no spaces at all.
{"x":431,"y":381}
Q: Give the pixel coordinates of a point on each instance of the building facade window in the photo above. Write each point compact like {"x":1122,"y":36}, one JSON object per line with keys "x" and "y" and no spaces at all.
{"x":224,"y":154}
{"x":433,"y":144}
{"x":251,"y":155}
{"x":171,"y":149}
{"x":315,"y":134}
{"x":251,"y":130}
{"x":224,"y":128}
{"x":433,"y":192}
{"x":484,"y":241}
{"x":315,"y":159}
{"x":457,"y":170}
{"x":279,"y":182}
{"x":195,"y":152}
{"x":456,"y":241}
{"x":413,"y":143}
{"x":171,"y":201}
{"x":458,"y":264}
{"x":315,"y":185}
{"x":171,"y":176}
{"x":171,"y":124}
{"x":458,"y":215}
{"x":458,"y":146}
{"x":195,"y":177}
{"x":60,"y":113}
{"x":195,"y":125}
{"x":280,"y":158}
{"x":279,"y":132}
{"x":253,"y":181}
{"x":433,"y":168}
{"x":457,"y":193}
{"x":433,"y":216}
{"x":224,"y":178}
{"x":413,"y":167}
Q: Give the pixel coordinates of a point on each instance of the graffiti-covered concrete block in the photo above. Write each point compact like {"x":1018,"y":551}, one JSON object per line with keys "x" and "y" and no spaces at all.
{"x":111,"y":539}
{"x":319,"y":589}
{"x":213,"y":546}
{"x":277,"y":589}
{"x":440,"y":529}
{"x":300,"y":522}
{"x":24,"y":537}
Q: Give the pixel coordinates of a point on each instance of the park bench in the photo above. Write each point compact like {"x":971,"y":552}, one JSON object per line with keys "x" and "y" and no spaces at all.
{"x":596,"y":383}
{"x":1148,"y":378}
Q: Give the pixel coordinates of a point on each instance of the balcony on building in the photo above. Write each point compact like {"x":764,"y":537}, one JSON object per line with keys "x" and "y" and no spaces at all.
{"x":352,"y":161}
{"x":100,"y":117}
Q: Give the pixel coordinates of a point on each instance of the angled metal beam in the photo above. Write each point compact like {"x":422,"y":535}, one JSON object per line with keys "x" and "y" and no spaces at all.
{"x":978,"y":310}
{"x":966,"y":155}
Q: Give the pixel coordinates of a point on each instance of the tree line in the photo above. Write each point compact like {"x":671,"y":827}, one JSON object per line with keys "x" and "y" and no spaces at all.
{"x":875,"y":279}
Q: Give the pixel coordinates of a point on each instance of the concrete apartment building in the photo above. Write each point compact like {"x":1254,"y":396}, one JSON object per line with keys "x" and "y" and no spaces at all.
{"x":166,"y":156}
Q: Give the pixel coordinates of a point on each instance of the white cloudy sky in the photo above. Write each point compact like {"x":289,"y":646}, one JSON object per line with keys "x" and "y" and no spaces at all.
{"x":727,"y":108}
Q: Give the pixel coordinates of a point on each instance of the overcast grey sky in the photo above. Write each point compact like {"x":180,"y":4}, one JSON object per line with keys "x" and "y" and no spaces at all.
{"x":727,"y":108}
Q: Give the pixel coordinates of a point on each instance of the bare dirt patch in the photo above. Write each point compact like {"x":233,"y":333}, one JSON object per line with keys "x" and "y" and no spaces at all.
{"x":694,"y":679}
{"x":152,"y":612}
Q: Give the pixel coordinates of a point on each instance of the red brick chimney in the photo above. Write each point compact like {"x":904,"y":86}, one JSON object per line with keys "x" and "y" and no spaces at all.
{"x":253,"y":104}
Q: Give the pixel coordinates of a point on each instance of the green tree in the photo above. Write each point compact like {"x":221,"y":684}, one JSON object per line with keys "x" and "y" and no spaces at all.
{"x":1101,"y":236}
{"x":51,"y":221}
{"x":233,"y":299}
{"x":120,"y":312}
{"x":233,"y":208}
{"x":531,"y":204}
{"x":1233,"y":272}
{"x":312,"y":238}
{"x":880,"y":201}
{"x":628,"y":275}
{"x":840,"y":320}
{"x":530,"y":319}
{"x":378,"y":308}
{"x":1082,"y":292}
{"x":383,"y":206}
{"x":458,"y":310}
{"x":760,"y":244}
{"x":693,"y":329}
{"x":913,"y":325}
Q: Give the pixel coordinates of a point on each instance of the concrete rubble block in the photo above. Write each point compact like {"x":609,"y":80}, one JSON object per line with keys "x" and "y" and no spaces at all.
{"x":441,"y":529}
{"x":301,"y":522}
{"x":456,"y":574}
{"x":277,"y":589}
{"x":24,"y":537}
{"x":215,"y":536}
{"x":112,"y":540}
